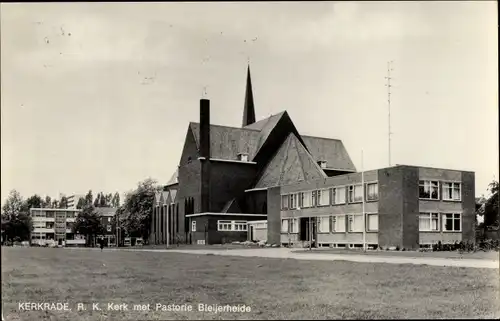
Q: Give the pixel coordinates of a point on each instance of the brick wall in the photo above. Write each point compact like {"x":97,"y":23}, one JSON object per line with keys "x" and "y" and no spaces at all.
{"x":410,"y":208}
{"x":468,"y":206}
{"x":227,"y":181}
{"x":390,"y":207}
{"x":273,"y":215}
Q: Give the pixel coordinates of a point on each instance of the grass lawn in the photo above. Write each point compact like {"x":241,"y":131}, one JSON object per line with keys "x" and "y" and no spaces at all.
{"x":490,"y":255}
{"x":272,"y":288}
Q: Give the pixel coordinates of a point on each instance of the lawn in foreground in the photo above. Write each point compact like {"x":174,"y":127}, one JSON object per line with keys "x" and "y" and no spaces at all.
{"x":273,"y":288}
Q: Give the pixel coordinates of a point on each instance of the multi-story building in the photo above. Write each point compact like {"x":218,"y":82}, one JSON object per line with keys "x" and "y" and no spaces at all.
{"x":73,"y":200}
{"x":54,"y":224}
{"x":106,"y":215}
{"x":400,"y":206}
{"x":230,"y":176}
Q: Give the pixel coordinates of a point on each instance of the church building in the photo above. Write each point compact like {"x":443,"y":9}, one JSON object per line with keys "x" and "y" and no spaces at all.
{"x":224,"y":173}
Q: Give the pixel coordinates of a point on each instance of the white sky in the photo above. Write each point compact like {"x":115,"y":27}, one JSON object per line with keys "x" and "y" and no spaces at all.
{"x":75,"y":115}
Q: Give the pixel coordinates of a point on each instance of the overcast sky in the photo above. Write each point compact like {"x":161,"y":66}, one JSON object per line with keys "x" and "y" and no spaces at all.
{"x":78,"y":113}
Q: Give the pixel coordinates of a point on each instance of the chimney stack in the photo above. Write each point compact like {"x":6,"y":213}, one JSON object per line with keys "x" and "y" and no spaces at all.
{"x":205,"y":128}
{"x":205,"y":154}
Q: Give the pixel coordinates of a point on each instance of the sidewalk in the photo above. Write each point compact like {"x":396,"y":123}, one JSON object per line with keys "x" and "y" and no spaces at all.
{"x":363,"y":258}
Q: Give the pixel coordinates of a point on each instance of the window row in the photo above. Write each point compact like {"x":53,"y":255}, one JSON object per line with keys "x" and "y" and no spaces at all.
{"x":430,"y":222}
{"x":330,"y":196}
{"x":451,"y":191}
{"x":231,"y":226}
{"x":335,"y":223}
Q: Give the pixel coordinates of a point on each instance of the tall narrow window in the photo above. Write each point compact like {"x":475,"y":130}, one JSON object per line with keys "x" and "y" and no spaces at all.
{"x":306,"y":199}
{"x":193,"y":226}
{"x":284,"y":226}
{"x":371,"y":191}
{"x":284,"y":201}
{"x":355,"y":223}
{"x":323,"y":197}
{"x":372,"y":222}
{"x":323,"y":224}
{"x":355,"y":193}
{"x":338,"y":195}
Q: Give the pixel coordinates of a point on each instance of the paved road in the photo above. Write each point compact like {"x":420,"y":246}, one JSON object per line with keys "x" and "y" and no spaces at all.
{"x":288,"y":253}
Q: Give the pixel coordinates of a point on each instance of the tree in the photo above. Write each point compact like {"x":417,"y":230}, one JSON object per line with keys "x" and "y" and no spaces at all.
{"x":137,"y":209}
{"x":102,"y":200}
{"x":13,"y":205}
{"x":63,"y":203}
{"x":81,"y":203}
{"x":18,"y":227}
{"x":109,"y":198}
{"x":16,"y":222}
{"x":88,"y":223}
{"x":48,"y":201}
{"x":116,"y":200}
{"x":89,"y":198}
{"x":34,"y":201}
{"x":55,"y":204}
{"x":97,"y":200}
{"x":491,"y":214}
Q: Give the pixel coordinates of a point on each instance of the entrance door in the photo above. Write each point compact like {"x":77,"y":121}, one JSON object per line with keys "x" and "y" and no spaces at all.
{"x":308,"y":230}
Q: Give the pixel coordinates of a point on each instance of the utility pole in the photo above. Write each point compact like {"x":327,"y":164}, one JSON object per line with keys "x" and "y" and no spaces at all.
{"x":388,"y":85}
{"x":363,"y":207}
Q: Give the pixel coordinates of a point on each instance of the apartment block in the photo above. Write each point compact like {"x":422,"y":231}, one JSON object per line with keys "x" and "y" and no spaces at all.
{"x":401,"y":206}
{"x":55,"y":224}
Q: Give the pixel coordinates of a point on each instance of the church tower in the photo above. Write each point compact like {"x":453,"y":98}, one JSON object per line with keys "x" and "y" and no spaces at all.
{"x":249,"y":109}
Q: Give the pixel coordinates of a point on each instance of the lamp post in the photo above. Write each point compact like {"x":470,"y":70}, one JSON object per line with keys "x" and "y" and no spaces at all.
{"x":363,"y":206}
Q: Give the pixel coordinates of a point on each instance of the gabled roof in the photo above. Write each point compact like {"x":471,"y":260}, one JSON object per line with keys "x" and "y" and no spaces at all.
{"x":174,"y":178}
{"x":231,"y":207}
{"x":227,"y":142}
{"x":291,"y":163}
{"x":330,"y":150}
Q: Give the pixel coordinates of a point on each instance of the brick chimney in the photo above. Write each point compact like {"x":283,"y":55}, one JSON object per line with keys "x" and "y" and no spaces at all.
{"x":205,"y":154}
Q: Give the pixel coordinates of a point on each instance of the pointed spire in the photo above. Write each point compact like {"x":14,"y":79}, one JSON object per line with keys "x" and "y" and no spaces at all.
{"x":249,"y":110}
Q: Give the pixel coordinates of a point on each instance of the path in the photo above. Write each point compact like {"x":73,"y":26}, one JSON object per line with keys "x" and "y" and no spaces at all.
{"x":290,"y":254}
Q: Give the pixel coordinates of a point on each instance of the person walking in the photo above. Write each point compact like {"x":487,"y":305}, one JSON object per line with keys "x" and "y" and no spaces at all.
{"x":101,"y":243}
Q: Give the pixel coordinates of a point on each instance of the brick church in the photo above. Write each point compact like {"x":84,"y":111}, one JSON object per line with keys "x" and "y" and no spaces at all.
{"x":224,"y":174}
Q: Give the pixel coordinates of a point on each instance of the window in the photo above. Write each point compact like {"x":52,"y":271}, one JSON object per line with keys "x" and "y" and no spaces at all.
{"x":284,"y":202}
{"x":294,"y":199}
{"x":338,"y":195}
{"x":323,"y":224}
{"x":314,"y":198}
{"x":193,"y":226}
{"x":451,"y":191}
{"x":228,"y":226}
{"x":428,"y":190}
{"x":452,"y":222}
{"x":243,"y":157}
{"x":428,"y":222}
{"x":289,"y":225}
{"x":323,"y":197}
{"x":284,"y":226}
{"x":355,"y":193}
{"x":371,"y":191}
{"x":338,"y":223}
{"x":294,"y":226}
{"x":355,"y":223}
{"x":322,"y":164}
{"x":372,"y":222}
{"x":109,"y":228}
{"x":306,"y":199}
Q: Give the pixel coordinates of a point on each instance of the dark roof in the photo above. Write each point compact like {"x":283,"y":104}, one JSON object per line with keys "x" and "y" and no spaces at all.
{"x":227,"y":142}
{"x":174,"y":178}
{"x":330,"y":150}
{"x":292,"y":163}
{"x":105,"y":211}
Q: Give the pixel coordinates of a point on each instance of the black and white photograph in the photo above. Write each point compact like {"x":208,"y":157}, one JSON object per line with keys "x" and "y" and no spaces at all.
{"x":249,"y":160}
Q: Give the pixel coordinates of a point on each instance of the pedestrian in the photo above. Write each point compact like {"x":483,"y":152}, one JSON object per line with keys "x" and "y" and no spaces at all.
{"x":101,"y":243}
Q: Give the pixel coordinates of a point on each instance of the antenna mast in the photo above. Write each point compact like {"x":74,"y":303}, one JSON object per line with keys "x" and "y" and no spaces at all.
{"x":388,"y":85}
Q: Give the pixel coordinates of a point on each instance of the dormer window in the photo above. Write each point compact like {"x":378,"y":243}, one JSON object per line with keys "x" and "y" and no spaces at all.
{"x":322,"y":164}
{"x":243,"y":157}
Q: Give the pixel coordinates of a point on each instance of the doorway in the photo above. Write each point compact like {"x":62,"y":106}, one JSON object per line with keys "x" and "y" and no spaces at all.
{"x":308,"y":230}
